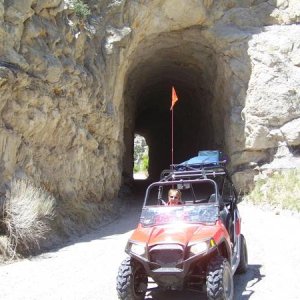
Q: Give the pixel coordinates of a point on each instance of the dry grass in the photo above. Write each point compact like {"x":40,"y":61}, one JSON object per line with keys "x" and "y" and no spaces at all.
{"x":27,"y":212}
{"x":31,"y":220}
{"x":281,"y":190}
{"x":6,"y":251}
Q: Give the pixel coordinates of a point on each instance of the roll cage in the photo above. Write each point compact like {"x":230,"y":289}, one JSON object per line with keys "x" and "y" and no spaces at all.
{"x":213,"y":171}
{"x":194,"y":187}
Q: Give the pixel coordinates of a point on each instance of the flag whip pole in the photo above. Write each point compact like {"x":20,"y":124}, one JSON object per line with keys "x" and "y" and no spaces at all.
{"x":172,"y":154}
{"x":174,"y":100}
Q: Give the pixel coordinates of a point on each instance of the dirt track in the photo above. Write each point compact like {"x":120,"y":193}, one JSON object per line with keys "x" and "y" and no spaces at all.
{"x":86,"y":269}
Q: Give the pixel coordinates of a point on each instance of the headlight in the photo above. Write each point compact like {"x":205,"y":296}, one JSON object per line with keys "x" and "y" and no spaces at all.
{"x":199,"y":248}
{"x":137,"y":249}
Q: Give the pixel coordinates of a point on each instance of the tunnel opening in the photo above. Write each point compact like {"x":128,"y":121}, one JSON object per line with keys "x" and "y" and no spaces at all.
{"x":141,"y":158}
{"x":199,"y":115}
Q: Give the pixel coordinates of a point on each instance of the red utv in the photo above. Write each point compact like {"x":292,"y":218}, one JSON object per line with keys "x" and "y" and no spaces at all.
{"x":197,"y":245}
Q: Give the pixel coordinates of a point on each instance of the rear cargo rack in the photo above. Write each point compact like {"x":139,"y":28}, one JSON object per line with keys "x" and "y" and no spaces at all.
{"x":208,"y":163}
{"x":192,"y":172}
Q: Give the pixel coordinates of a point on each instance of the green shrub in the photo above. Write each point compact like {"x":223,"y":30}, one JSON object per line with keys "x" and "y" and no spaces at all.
{"x":145,"y":163}
{"x":281,"y":190}
{"x":142,"y":166}
{"x":136,"y":168}
{"x":81,"y":9}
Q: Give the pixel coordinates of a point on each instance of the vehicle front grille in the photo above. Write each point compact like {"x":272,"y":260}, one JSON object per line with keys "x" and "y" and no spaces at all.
{"x":166,"y":255}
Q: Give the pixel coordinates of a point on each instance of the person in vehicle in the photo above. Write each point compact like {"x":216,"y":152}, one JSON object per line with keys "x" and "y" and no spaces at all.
{"x":174,"y":197}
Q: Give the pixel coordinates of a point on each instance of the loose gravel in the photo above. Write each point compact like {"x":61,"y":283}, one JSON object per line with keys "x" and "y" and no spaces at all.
{"x":87,"y":268}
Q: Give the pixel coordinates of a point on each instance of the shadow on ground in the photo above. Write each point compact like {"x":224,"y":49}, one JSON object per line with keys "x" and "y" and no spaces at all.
{"x":129,"y":205}
{"x":243,"y":285}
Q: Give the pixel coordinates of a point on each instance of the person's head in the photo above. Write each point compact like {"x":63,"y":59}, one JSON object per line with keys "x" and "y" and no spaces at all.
{"x":174,"y":197}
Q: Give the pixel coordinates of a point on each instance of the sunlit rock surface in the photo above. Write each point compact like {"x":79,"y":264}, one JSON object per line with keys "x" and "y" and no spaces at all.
{"x":74,"y":92}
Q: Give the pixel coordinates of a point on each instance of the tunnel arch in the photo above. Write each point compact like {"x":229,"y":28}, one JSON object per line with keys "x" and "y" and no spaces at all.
{"x":192,"y":65}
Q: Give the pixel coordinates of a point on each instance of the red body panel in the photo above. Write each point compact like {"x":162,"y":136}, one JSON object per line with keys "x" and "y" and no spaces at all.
{"x":180,"y":233}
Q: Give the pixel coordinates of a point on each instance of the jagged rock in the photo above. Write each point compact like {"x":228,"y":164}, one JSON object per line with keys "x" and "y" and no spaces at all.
{"x":74,"y":92}
{"x":291,"y":132}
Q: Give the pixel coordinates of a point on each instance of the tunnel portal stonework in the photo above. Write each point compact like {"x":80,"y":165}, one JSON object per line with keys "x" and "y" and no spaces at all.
{"x":235,"y":70}
{"x":74,"y":92}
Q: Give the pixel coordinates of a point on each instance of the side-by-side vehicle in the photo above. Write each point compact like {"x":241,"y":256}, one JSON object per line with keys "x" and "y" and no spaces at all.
{"x":196,"y":245}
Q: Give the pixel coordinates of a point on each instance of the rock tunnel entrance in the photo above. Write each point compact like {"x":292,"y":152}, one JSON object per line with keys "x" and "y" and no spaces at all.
{"x":192,"y":67}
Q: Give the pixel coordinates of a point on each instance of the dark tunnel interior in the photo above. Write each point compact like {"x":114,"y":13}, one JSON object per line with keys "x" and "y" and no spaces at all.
{"x":192,"y":127}
{"x":196,"y":115}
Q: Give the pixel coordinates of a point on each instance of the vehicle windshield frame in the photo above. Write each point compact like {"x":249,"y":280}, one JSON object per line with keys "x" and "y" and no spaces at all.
{"x":156,"y":215}
{"x":180,"y":182}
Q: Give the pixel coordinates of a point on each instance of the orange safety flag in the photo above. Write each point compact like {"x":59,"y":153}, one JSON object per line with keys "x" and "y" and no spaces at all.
{"x":174,"y":97}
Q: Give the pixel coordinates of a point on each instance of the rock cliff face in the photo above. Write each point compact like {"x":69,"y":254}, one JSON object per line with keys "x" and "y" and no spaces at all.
{"x":74,"y":92}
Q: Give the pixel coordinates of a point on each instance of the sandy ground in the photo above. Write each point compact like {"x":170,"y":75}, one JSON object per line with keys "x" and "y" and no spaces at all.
{"x":87,"y":268}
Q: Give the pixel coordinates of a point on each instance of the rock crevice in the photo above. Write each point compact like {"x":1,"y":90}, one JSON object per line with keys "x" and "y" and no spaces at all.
{"x":74,"y":92}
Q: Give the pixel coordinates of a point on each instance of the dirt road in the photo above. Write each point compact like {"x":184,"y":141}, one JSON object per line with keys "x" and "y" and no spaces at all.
{"x":87,"y":268}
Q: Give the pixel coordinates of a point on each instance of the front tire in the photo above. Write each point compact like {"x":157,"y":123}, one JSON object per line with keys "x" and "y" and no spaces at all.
{"x":243,"y":265}
{"x":131,"y":281}
{"x":219,"y":280}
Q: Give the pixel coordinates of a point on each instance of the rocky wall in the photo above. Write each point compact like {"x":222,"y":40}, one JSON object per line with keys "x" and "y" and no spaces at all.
{"x":59,"y":124}
{"x":66,"y":121}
